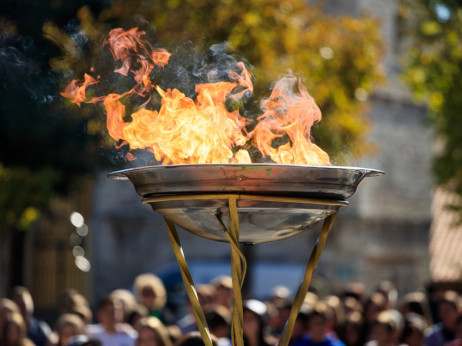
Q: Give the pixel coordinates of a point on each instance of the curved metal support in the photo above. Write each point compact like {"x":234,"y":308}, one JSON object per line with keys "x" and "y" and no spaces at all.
{"x":188,"y":283}
{"x":238,"y":263}
{"x":303,"y":289}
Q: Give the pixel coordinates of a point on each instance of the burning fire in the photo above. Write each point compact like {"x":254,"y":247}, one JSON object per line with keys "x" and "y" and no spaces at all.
{"x":202,"y":130}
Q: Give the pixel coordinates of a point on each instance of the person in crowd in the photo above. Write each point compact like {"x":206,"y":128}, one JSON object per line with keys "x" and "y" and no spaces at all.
{"x":317,"y":329}
{"x":6,"y":306}
{"x":111,"y":330}
{"x":14,"y":331}
{"x":351,"y":304}
{"x":150,"y":292}
{"x":336,"y":317}
{"x":417,"y":303}
{"x":254,"y":324}
{"x":458,"y":340}
{"x":352,"y":332}
{"x":37,"y":331}
{"x":67,"y":326}
{"x":72,"y":302}
{"x":414,"y":330}
{"x":283,"y":310}
{"x":300,"y":327}
{"x":223,"y":291}
{"x":444,"y":331}
{"x":389,"y":292}
{"x":273,"y":318}
{"x":386,"y":329}
{"x":280,"y":294}
{"x":219,"y":321}
{"x":205,"y":294}
{"x":137,"y":315}
{"x":354,"y":290}
{"x":373,"y":307}
{"x":129,"y":304}
{"x":152,"y":332}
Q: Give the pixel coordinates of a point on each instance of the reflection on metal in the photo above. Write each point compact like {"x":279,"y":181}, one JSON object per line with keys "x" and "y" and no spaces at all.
{"x":325,"y":182}
{"x":245,"y":204}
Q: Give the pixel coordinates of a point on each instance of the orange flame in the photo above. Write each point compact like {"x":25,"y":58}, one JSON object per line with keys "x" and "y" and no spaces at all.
{"x":77,"y":93}
{"x":290,"y":114}
{"x":203,"y":130}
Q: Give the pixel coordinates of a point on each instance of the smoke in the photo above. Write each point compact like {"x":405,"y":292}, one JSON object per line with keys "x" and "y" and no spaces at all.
{"x":22,"y":67}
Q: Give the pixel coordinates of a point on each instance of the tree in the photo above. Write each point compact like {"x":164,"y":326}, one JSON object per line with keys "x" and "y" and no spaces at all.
{"x":433,"y":70}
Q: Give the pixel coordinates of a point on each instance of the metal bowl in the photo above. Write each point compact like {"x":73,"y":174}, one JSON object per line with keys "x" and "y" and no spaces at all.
{"x":170,"y":190}
{"x":329,"y":182}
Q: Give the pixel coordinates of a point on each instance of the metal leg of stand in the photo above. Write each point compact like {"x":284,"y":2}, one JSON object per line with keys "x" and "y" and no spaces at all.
{"x":238,"y":269}
{"x":303,"y":289}
{"x":188,"y":283}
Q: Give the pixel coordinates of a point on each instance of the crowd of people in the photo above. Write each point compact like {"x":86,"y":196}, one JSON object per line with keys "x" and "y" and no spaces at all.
{"x":123,"y":318}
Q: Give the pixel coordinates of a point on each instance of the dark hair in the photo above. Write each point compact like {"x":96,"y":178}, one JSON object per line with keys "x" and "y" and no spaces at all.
{"x":217,"y":317}
{"x":194,"y":339}
{"x":105,"y":301}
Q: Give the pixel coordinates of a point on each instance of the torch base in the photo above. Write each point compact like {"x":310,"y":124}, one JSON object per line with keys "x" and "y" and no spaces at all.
{"x":238,"y":265}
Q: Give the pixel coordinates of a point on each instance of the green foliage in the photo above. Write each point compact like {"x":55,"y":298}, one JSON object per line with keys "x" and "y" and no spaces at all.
{"x":433,"y":63}
{"x":25,"y":193}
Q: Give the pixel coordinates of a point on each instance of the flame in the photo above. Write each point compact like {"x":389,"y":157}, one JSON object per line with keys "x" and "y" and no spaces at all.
{"x":201,"y":130}
{"x":77,"y":93}
{"x":289,"y":114}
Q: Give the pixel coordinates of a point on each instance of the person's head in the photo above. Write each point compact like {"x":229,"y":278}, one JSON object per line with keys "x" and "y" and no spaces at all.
{"x":14,"y":330}
{"x":317,"y":321}
{"x":152,"y":332}
{"x":414,"y":328}
{"x":254,"y":318}
{"x":194,"y":339}
{"x":389,"y":292}
{"x":68,"y":325}
{"x":301,"y":323}
{"x":283,"y":307}
{"x":353,"y":329}
{"x":72,"y":302}
{"x":337,"y":312}
{"x":137,"y":315}
{"x":6,"y":306}
{"x":386,"y":326}
{"x":223,"y":290}
{"x":416,"y":303}
{"x":23,"y":299}
{"x":205,"y":293}
{"x":150,"y":291}
{"x":218,"y":319}
{"x":109,"y":312}
{"x":375,"y":305}
{"x":280,"y":294}
{"x":448,"y":309}
{"x":354,"y":290}
{"x":128,"y":301}
{"x":351,"y":304}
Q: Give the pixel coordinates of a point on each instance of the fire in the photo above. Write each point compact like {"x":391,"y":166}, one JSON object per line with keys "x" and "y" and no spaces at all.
{"x":202,"y":130}
{"x":291,"y":114}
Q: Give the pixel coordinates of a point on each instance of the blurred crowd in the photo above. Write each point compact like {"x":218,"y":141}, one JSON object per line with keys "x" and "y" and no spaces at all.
{"x":141,"y":317}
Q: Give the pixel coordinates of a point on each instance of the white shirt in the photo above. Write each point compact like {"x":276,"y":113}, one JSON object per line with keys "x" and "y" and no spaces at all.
{"x":119,"y":338}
